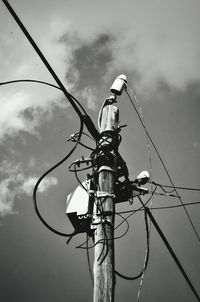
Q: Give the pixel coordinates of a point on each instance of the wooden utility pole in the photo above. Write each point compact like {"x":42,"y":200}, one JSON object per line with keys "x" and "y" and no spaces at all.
{"x":104,"y":275}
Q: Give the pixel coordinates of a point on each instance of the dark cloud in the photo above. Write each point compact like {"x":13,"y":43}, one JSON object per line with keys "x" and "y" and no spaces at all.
{"x":90,"y":60}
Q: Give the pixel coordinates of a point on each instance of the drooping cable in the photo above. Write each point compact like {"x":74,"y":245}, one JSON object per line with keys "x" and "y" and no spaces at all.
{"x":88,"y":259}
{"x":146,"y":255}
{"x":44,"y":83}
{"x":105,"y":246}
{"x":105,"y":239}
{"x":151,"y":200}
{"x":85,"y":118}
{"x":85,"y":146}
{"x":40,"y":180}
{"x":148,"y":238}
{"x":170,"y":249}
{"x":77,"y":178}
{"x":163,"y":164}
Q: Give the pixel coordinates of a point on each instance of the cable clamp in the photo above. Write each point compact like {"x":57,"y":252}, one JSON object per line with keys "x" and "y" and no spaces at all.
{"x":73,"y":138}
{"x":100,"y":194}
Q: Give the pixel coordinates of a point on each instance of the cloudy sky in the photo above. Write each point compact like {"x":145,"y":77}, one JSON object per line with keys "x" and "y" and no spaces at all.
{"x":156,"y":43}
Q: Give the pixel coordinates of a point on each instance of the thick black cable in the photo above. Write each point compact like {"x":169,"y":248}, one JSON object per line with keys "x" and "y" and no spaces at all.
{"x":45,"y":83}
{"x":127,"y":228}
{"x":82,"y":244}
{"x":40,"y":180}
{"x":77,"y":178}
{"x":169,"y":249}
{"x":105,"y":240}
{"x":29,"y":81}
{"x":146,"y":258}
{"x":105,"y":245}
{"x":85,"y":146}
{"x":164,"y":166}
{"x":85,"y":118}
{"x":148,"y":239}
{"x":88,"y":259}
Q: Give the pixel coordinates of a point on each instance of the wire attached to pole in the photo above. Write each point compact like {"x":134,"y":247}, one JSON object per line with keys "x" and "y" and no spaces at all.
{"x":40,"y":180}
{"x":146,"y":255}
{"x":164,"y":166}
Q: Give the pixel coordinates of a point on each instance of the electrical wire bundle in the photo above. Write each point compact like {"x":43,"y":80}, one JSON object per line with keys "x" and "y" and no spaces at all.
{"x":166,"y":193}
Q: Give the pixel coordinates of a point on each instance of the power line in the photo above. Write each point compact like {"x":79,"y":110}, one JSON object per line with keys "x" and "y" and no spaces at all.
{"x":176,"y":206}
{"x":163,"y":164}
{"x":181,"y":188}
{"x":88,"y":259}
{"x":170,"y":249}
{"x":151,"y":200}
{"x":161,"y":208}
{"x":146,"y":255}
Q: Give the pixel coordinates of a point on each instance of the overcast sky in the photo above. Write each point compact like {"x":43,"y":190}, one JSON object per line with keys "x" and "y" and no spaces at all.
{"x":156,"y":43}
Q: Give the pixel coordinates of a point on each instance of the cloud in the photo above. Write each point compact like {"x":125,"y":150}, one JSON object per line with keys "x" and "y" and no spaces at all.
{"x":150,"y":41}
{"x":6,"y":199}
{"x":29,"y":183}
{"x":14,"y":183}
{"x":89,"y":95}
{"x":163,"y":44}
{"x":153,"y":41}
{"x":196,"y":146}
{"x":19,"y":61}
{"x":88,"y":65}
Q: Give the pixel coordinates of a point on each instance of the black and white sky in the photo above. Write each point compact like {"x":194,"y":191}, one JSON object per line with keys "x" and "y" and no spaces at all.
{"x":156,"y":43}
